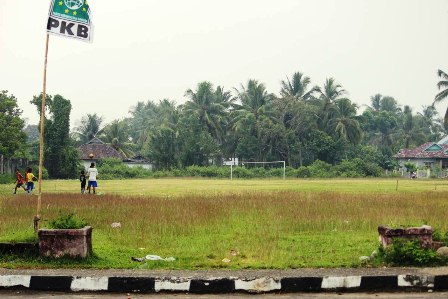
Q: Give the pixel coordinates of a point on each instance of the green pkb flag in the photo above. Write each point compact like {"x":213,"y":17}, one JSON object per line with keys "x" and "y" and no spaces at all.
{"x":70,"y":18}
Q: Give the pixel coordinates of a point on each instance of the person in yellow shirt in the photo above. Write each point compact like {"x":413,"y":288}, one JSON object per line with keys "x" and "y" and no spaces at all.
{"x":30,"y":178}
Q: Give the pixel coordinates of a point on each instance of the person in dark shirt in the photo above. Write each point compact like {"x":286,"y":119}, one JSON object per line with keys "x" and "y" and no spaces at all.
{"x":82,"y":179}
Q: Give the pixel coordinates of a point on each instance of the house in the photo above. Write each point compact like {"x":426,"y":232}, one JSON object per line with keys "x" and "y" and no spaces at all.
{"x":96,"y":149}
{"x":429,"y":155}
{"x":138,"y":161}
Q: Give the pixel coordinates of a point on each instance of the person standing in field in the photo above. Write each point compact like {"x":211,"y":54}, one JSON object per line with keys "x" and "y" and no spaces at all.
{"x":20,"y":181}
{"x":92,"y":174}
{"x":82,"y":179}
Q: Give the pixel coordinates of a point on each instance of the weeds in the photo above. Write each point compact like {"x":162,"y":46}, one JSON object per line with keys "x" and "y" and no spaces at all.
{"x":269,"y":228}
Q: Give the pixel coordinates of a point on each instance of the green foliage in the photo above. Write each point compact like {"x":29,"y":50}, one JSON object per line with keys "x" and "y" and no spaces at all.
{"x":6,"y":179}
{"x":320,"y":169}
{"x":112,"y":169}
{"x":67,"y":221}
{"x":410,"y":167}
{"x":12,"y":138}
{"x":439,"y":236}
{"x":357,"y":168}
{"x":405,"y":252}
{"x":60,"y":157}
{"x":303,"y":172}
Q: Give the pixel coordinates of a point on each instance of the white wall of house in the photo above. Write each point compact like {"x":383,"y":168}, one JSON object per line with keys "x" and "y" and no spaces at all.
{"x":144,"y":165}
{"x":420,"y":163}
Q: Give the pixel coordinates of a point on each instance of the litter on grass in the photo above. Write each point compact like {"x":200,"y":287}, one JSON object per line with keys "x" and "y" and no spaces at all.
{"x":116,"y":225}
{"x":151,"y":257}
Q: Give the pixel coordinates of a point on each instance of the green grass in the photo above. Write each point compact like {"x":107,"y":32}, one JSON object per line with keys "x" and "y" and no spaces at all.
{"x":178,"y":187}
{"x":270,"y":223}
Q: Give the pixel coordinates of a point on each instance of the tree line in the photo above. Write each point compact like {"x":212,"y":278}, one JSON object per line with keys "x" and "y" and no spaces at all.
{"x":301,"y":124}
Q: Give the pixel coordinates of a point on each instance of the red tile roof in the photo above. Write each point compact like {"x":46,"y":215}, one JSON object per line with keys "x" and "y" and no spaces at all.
{"x":420,"y":152}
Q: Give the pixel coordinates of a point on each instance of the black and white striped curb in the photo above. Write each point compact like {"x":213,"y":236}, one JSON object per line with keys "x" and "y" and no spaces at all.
{"x":226,"y":285}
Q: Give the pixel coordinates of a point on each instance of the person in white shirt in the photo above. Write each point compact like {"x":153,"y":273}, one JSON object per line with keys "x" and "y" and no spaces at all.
{"x":92,"y":173}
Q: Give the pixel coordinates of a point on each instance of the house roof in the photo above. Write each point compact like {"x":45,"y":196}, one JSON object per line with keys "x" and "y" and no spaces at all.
{"x":444,"y":140}
{"x":136,"y":159}
{"x":99,"y":150}
{"x":426,"y":150}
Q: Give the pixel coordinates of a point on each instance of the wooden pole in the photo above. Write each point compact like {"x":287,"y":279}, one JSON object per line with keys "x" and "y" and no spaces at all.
{"x":41,"y":146}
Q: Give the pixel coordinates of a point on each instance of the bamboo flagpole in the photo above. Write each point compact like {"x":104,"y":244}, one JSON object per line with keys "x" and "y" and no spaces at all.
{"x":68,"y":19}
{"x":41,"y":145}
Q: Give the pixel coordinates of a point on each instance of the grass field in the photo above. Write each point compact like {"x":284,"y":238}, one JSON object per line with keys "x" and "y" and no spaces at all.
{"x":252,"y":223}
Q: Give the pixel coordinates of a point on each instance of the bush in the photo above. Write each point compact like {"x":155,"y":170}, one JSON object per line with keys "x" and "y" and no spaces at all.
{"x":320,"y":169}
{"x":357,"y":168}
{"x":303,"y":172}
{"x":241,"y":172}
{"x":6,"y":179}
{"x":112,"y":169}
{"x":67,"y":221}
{"x":405,"y":252}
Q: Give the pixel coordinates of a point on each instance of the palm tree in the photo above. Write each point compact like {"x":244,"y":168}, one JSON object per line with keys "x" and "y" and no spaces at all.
{"x":90,"y":126}
{"x":209,"y":106}
{"x":254,"y":111}
{"x":255,"y":100}
{"x":297,"y":87}
{"x":116,"y":135}
{"x":410,"y":133}
{"x":375,"y":103}
{"x":142,"y":115}
{"x":343,"y":123}
{"x":167,"y":114}
{"x":331,"y":92}
{"x":443,"y":86}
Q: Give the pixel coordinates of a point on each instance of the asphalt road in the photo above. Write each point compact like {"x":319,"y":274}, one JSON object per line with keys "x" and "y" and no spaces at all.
{"x":9,"y":294}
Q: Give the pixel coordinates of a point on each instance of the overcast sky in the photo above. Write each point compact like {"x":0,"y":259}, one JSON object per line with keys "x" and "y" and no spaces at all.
{"x":150,"y":50}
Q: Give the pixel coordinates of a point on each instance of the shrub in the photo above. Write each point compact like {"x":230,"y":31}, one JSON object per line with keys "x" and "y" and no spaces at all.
{"x":6,"y":179}
{"x":320,"y":169}
{"x":410,"y":167}
{"x":241,"y":172}
{"x":111,"y":169}
{"x":357,"y":168}
{"x":405,"y":252}
{"x":67,"y":221}
{"x":303,"y":172}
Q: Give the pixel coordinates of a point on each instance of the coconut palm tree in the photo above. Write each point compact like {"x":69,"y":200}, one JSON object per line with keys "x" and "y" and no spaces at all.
{"x":331,"y":92}
{"x":410,"y":133}
{"x":209,"y":106}
{"x":375,"y":103}
{"x":90,"y":126}
{"x":297,"y":87}
{"x":254,"y":100}
{"x":116,"y":134}
{"x":343,"y":123}
{"x":443,"y":94}
{"x":254,"y":113}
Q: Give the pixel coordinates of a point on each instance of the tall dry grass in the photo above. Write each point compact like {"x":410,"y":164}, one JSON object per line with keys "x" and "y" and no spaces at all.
{"x":268,"y":230}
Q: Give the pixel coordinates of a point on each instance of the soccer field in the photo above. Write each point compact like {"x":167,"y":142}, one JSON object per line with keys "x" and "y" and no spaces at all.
{"x":179,"y":187}
{"x":228,"y":224}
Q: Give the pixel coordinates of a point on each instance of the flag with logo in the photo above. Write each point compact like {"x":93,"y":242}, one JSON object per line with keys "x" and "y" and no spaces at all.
{"x":70,"y":18}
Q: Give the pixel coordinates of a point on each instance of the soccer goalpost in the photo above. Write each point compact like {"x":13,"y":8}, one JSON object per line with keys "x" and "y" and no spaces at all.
{"x":263,"y":163}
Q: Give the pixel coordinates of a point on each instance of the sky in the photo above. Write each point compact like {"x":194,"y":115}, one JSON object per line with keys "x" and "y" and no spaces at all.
{"x":151,"y":50}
